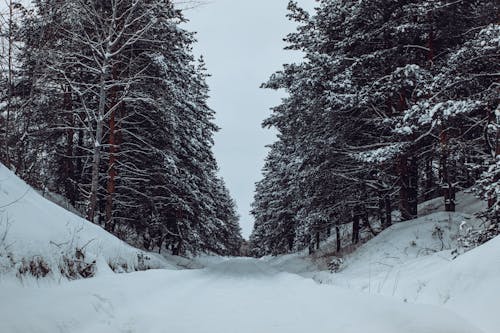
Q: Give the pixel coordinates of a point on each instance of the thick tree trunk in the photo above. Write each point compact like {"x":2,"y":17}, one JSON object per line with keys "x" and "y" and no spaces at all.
{"x":338,"y":239}
{"x":355,"y":229}
{"x":311,"y":244}
{"x":429,"y":179}
{"x":408,"y":193}
{"x":388,"y":210}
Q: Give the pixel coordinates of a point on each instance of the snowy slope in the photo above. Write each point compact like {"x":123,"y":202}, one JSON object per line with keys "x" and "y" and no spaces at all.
{"x":33,"y":229}
{"x":413,"y":262}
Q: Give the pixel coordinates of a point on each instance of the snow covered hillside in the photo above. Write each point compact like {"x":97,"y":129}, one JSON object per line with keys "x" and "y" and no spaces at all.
{"x":416,"y":262}
{"x":39,"y":238}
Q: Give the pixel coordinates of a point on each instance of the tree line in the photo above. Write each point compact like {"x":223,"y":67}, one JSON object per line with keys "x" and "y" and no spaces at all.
{"x":103,"y":103}
{"x":394,"y":103}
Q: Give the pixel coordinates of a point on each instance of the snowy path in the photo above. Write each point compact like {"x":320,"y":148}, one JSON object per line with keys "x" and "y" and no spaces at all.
{"x":233,"y":296}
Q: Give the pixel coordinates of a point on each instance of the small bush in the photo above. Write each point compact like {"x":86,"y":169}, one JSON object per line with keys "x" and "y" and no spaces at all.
{"x":75,"y":267}
{"x":143,"y":262}
{"x":36,"y":267}
{"x":336,"y":264}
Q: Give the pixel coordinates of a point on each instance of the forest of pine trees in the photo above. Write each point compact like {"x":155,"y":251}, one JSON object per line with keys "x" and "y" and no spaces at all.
{"x":394,"y":103}
{"x":103,"y":103}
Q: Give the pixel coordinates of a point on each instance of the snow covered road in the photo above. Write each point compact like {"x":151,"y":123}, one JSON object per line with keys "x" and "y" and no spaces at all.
{"x":230,"y":296}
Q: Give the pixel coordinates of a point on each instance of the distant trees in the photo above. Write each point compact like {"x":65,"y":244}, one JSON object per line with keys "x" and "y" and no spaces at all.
{"x":115,"y":118}
{"x":396,"y":102}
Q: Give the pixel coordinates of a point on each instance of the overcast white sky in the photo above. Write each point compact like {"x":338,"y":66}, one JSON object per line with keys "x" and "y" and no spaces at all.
{"x":242,"y":42}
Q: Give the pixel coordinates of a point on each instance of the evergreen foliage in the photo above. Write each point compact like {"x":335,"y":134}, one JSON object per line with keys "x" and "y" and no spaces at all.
{"x":110,"y":110}
{"x":395,"y":102}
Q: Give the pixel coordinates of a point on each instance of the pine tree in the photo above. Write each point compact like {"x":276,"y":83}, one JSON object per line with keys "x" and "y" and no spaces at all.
{"x":121,"y":99}
{"x":390,"y":102}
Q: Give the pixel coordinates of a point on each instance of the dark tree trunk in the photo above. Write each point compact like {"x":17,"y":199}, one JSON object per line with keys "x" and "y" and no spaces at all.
{"x":111,"y":185}
{"x":413,"y":187}
{"x":381,"y":212}
{"x":404,"y":206}
{"x":430,"y":43}
{"x":430,"y":185}
{"x":69,"y":170}
{"x":339,"y":240}
{"x":388,"y":210}
{"x":446,"y":178}
{"x":355,"y":229}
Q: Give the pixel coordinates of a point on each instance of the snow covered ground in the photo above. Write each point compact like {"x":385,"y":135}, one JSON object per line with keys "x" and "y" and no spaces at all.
{"x":404,"y":280}
{"x":233,"y":296}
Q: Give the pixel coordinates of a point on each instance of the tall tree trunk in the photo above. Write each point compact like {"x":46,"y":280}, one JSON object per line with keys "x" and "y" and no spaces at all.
{"x":413,"y":187}
{"x":69,"y":177}
{"x":111,"y":185}
{"x":446,"y":179}
{"x":355,"y":227}
{"x":404,"y":188}
{"x":430,"y":43}
{"x":338,"y":239}
{"x":388,"y":210}
{"x":318,"y":236}
{"x":111,"y":174}
{"x":381,"y":212}
{"x":429,"y":179}
{"x":96,"y":158}
{"x":311,"y":244}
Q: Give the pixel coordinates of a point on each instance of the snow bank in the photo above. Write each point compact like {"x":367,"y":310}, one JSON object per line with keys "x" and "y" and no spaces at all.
{"x":37,"y":237}
{"x":414,"y":262}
